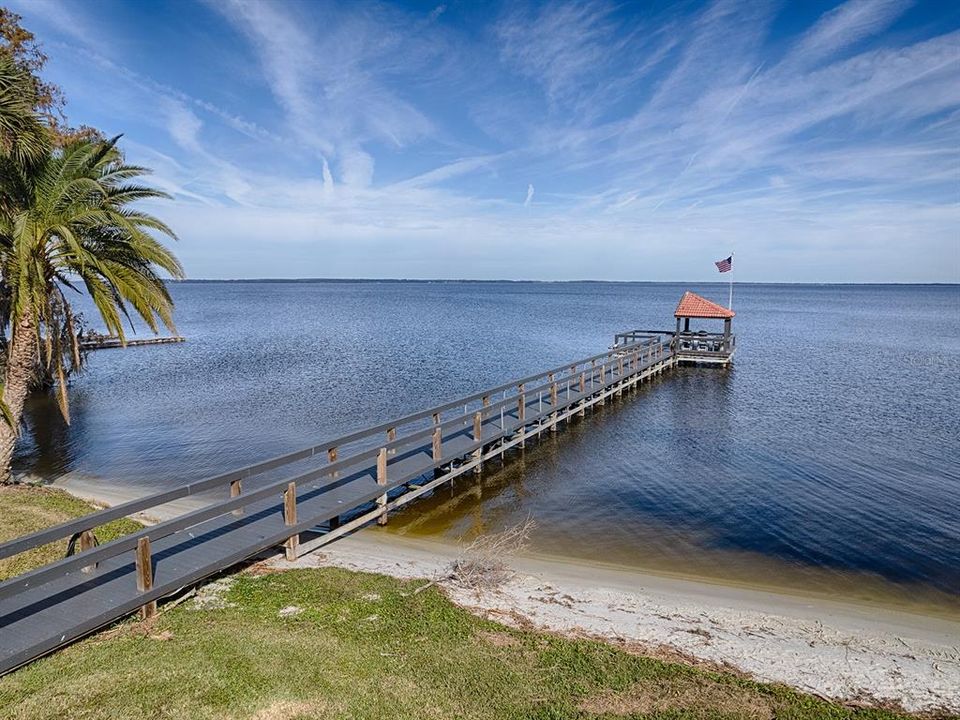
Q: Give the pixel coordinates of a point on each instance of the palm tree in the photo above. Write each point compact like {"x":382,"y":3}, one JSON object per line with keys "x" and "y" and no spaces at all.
{"x":23,"y":136}
{"x":69,"y":224}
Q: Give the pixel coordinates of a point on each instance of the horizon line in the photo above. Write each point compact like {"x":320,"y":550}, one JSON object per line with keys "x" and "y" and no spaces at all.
{"x":586,"y":280}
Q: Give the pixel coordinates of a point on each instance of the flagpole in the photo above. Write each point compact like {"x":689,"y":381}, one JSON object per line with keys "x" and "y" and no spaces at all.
{"x":730,"y":301}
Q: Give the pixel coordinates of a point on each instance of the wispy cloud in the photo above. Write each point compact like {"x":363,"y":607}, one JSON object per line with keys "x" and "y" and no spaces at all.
{"x":389,"y":141}
{"x":330,"y":81}
{"x":843,"y":27}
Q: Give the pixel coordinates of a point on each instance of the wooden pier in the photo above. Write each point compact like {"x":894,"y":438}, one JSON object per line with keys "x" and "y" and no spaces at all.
{"x":332,"y":489}
{"x":101,"y":342}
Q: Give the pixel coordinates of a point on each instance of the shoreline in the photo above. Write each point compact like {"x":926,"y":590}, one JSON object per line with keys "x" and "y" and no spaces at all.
{"x":828,"y":648}
{"x":841,"y":650}
{"x":101,"y":493}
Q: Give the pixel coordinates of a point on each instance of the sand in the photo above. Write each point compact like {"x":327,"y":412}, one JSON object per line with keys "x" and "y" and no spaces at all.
{"x":838,"y":650}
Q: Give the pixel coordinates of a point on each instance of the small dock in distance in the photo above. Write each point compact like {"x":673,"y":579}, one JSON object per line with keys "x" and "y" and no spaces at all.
{"x":331,"y":489}
{"x":103,"y":342}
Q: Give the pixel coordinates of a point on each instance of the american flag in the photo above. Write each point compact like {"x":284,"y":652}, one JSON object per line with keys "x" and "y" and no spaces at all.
{"x":725,"y":265}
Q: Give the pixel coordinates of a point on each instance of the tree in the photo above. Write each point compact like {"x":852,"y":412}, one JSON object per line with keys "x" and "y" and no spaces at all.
{"x":74,"y":225}
{"x":67,"y":221}
{"x":20,"y":50}
{"x":23,"y":136}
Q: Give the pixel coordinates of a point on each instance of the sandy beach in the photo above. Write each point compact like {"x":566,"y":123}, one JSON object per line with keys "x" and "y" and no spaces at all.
{"x":838,"y":650}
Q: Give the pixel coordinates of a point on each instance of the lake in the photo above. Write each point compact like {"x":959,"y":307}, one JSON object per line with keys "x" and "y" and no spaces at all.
{"x":825,"y":460}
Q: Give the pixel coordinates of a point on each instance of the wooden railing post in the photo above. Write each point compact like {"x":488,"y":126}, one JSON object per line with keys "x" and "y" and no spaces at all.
{"x":290,"y":518}
{"x":236,"y":488}
{"x":391,"y":436}
{"x":478,"y":437}
{"x":144,"y":563}
{"x":603,"y":383}
{"x":87,"y":541}
{"x":382,"y":480}
{"x":332,"y":458}
{"x":553,"y":403}
{"x":522,"y":413}
{"x":583,"y":390}
{"x":437,"y":445}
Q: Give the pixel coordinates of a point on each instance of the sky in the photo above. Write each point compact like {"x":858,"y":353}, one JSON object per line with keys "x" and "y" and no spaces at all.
{"x":818,"y":142}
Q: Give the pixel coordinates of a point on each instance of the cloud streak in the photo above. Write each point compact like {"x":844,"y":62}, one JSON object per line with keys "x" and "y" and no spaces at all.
{"x":394,"y":140}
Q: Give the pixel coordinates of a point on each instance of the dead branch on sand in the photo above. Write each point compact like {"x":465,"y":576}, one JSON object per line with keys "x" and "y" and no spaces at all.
{"x":483,"y":564}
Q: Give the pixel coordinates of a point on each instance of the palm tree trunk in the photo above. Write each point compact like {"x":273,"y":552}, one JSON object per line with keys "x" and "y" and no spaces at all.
{"x":21,"y":365}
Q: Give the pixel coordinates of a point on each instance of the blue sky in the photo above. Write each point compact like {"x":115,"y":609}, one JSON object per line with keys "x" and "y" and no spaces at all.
{"x":635,"y":141}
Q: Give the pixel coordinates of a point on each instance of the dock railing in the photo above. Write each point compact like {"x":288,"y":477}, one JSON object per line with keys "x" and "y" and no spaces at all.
{"x":700,"y":346}
{"x":505,"y":414}
{"x":705,"y":345}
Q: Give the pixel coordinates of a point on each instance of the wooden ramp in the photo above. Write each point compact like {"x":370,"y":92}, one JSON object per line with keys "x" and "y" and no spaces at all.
{"x":332,"y":489}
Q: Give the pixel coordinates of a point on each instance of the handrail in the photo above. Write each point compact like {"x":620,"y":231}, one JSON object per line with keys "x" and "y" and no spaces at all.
{"x":129,"y":542}
{"x":101,"y":517}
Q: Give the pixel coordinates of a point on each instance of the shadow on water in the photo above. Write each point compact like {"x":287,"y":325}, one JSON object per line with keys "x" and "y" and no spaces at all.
{"x":48,"y":437}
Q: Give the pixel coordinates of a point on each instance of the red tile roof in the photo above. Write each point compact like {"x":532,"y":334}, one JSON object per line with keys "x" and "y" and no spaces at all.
{"x":693,"y":306}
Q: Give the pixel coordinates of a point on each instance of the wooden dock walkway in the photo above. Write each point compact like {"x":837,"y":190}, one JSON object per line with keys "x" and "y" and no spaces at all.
{"x":99,"y":342}
{"x":336,"y":487}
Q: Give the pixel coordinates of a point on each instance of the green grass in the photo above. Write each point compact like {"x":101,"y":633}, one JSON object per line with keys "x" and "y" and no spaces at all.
{"x":25,"y":509}
{"x":367,"y":646}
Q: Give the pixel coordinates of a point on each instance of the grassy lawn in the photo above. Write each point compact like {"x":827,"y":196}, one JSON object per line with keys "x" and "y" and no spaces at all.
{"x":337,"y":644}
{"x":25,"y":509}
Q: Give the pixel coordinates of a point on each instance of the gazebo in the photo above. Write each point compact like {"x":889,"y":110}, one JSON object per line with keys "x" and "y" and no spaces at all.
{"x":703,"y":347}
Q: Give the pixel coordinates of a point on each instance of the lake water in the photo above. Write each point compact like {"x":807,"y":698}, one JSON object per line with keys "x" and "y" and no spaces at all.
{"x":826,"y":459}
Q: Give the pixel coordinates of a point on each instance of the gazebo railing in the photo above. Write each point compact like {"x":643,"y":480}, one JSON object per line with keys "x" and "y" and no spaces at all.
{"x":704,"y":342}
